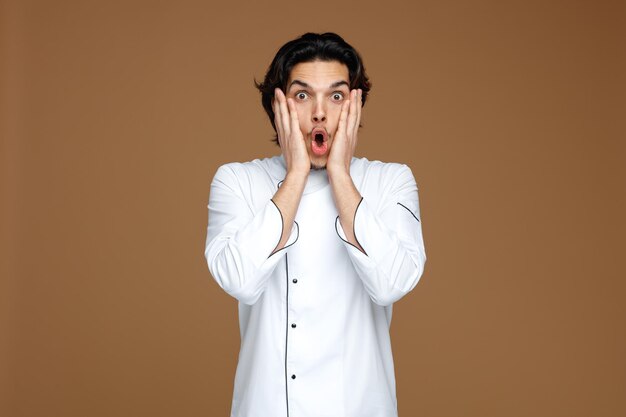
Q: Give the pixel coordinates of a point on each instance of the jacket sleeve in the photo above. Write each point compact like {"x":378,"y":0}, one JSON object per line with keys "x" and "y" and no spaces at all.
{"x":240,"y":239}
{"x":391,"y":237}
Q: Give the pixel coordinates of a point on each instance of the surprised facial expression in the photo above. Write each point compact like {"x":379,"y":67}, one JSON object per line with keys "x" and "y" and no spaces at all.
{"x":318,"y":89}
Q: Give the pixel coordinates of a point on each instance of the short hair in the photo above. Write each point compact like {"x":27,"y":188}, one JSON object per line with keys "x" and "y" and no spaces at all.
{"x":308,"y":48}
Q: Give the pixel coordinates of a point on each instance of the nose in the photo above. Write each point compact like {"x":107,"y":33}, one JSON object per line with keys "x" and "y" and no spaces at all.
{"x":319,"y":112}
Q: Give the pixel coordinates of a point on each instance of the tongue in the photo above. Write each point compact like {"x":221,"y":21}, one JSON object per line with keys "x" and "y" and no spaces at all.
{"x":319,"y":148}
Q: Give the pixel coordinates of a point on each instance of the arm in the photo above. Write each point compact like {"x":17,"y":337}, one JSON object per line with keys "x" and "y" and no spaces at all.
{"x":287,"y":199}
{"x":392,"y":258}
{"x":347,"y":199}
{"x":242,"y":244}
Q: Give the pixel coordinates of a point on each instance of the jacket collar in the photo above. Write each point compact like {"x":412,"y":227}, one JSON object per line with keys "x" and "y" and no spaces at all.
{"x":316,"y":180}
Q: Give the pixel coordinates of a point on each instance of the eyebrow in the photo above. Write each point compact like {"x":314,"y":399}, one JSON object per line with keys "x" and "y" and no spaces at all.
{"x":305,"y":85}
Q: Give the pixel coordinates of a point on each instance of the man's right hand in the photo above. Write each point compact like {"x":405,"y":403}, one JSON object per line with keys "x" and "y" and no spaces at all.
{"x":287,"y":198}
{"x":289,"y":134}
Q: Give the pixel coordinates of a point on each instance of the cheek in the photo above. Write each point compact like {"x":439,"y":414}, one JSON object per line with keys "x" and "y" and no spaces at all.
{"x":333,"y":117}
{"x":303,"y":115}
{"x":302,"y":119}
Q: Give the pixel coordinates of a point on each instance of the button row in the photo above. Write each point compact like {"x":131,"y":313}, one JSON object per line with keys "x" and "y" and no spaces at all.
{"x":293,"y":325}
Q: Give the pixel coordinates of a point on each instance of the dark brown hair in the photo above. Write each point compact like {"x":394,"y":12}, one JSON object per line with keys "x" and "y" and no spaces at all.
{"x":307,"y":48}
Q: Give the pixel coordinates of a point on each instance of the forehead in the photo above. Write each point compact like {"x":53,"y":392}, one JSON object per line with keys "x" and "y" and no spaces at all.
{"x":319,"y":73}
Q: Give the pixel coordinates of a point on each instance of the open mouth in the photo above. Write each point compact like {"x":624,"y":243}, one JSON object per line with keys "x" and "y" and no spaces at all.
{"x":319,"y":134}
{"x":319,"y":144}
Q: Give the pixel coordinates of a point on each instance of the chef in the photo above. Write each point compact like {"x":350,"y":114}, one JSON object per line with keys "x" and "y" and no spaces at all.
{"x":316,"y":245}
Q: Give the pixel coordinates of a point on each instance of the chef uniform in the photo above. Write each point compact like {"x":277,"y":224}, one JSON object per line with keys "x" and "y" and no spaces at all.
{"x":314,"y":316}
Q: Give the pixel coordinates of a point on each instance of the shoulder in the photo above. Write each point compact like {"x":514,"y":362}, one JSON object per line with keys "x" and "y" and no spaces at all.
{"x":259,"y":168}
{"x":383,"y":173}
{"x":227,"y":174}
{"x":255,"y":181}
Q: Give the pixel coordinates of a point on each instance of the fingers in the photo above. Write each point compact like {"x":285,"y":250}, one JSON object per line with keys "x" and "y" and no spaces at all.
{"x":281,"y":117}
{"x":293,"y":112}
{"x":284,"y":114}
{"x":341,"y":126}
{"x":359,"y":107}
{"x":278,"y":116}
{"x":352,"y":113}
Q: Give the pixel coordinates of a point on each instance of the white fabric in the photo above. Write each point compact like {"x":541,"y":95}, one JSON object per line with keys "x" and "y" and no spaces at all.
{"x":341,"y":305}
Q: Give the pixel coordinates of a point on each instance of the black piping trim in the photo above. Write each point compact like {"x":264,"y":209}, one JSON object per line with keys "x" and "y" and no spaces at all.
{"x":357,"y":240}
{"x":297,"y":237}
{"x":282,"y":231}
{"x":354,"y":224}
{"x":287,"y":333}
{"x":410,"y":212}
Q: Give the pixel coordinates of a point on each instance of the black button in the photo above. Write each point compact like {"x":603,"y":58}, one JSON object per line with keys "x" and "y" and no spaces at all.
{"x":293,"y":377}
{"x":293,"y":325}
{"x":295,"y":280}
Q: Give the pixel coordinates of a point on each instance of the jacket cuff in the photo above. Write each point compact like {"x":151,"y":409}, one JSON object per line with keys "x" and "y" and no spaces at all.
{"x":264,"y":233}
{"x":369,"y":235}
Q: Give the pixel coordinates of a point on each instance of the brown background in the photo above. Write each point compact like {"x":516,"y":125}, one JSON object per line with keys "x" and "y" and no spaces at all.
{"x":116,"y":115}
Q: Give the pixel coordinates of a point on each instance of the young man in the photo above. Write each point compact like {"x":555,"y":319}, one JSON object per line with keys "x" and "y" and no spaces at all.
{"x":316,"y":245}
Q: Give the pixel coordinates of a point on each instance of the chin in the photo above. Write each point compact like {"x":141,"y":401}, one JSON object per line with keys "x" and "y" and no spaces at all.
{"x":317,"y":167}
{"x":318,"y":162}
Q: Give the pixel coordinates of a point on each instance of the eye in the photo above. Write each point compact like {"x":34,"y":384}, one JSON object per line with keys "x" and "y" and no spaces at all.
{"x":338,"y":95}
{"x":299,"y":95}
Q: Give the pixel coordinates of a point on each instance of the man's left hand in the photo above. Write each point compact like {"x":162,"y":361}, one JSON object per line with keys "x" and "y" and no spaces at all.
{"x":344,"y":143}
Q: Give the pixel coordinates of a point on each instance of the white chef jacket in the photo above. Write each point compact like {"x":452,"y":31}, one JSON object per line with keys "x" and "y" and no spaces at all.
{"x":314,"y":317}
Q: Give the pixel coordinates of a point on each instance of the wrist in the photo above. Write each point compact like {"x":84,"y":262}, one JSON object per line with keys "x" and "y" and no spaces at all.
{"x":338,"y":170}
{"x":298,"y":175}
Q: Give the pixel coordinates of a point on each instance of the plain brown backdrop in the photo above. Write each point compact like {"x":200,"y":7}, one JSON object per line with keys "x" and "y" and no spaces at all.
{"x":116,"y":114}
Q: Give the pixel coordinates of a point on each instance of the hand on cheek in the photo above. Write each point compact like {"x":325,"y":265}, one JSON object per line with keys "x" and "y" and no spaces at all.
{"x":344,"y":143}
{"x":290,"y":137}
